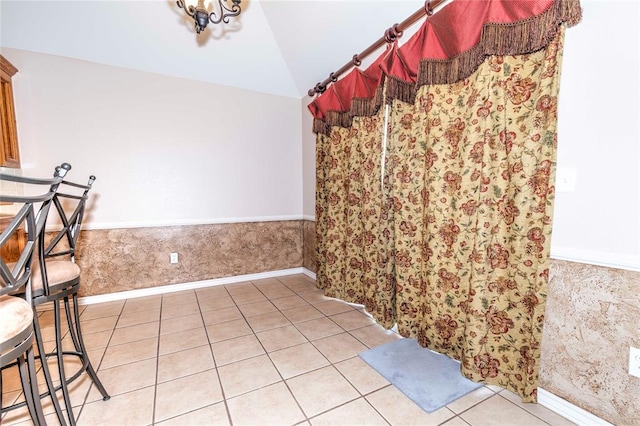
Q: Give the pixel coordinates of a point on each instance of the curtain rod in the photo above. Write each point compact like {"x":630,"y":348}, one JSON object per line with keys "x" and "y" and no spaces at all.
{"x":390,"y":35}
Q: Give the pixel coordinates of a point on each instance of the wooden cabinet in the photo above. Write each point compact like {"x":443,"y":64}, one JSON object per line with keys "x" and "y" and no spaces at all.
{"x":11,"y":250}
{"x":9,"y":152}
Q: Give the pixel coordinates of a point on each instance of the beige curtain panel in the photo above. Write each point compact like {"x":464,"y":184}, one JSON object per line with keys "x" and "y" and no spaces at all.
{"x":434,"y":209}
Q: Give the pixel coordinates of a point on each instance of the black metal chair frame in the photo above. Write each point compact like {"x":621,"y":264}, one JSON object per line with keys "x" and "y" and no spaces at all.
{"x":61,"y":292}
{"x":16,"y":279}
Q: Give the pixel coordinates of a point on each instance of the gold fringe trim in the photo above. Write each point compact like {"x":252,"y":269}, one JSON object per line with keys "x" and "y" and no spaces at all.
{"x":360,"y":107}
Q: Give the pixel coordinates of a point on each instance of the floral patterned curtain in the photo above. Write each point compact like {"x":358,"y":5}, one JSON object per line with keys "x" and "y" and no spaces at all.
{"x":440,"y":221}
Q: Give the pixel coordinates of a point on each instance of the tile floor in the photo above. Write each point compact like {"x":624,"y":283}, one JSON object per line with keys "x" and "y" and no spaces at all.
{"x":268,"y":352}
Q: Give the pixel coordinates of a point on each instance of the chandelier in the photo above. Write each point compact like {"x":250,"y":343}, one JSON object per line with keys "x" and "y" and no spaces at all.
{"x":201,"y":15}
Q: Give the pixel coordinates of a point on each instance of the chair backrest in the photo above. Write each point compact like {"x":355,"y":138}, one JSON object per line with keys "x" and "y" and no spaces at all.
{"x":28,"y":222}
{"x":70,"y":201}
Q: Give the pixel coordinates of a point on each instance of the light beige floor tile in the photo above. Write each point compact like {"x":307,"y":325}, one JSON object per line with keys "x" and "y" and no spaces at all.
{"x":237,"y":349}
{"x":94,"y":340}
{"x":537,"y":410}
{"x":48,"y":333}
{"x":267,"y":283}
{"x":184,"y":363}
{"x":297,"y":360}
{"x":187,"y":394}
{"x":271,"y":405}
{"x":19,"y":416}
{"x":175,"y":342}
{"x":258,"y":308}
{"x":277,"y":293}
{"x":134,"y":333}
{"x":246,"y":298}
{"x":456,"y":421}
{"x":361,"y":375}
{"x":178,"y":298}
{"x":213,"y":292}
{"x":175,"y":311}
{"x":133,"y":408}
{"x":128,"y":377}
{"x":175,"y":325}
{"x":11,"y":379}
{"x":101,"y":310}
{"x":221,"y":315}
{"x":214,"y":304}
{"x":398,"y":409}
{"x":495,"y":388}
{"x":352,"y":319}
{"x":358,"y":412}
{"x":228,"y":330}
{"x":333,"y":307}
{"x":304,"y":288}
{"x":239,"y":288}
{"x":129,"y":352}
{"x":267,"y":321}
{"x":498,"y":411}
{"x":280,"y":338}
{"x":247,"y":375}
{"x":289,"y":302}
{"x":136,"y":318}
{"x":142,"y":304}
{"x":215,"y":414}
{"x":321,"y":390}
{"x":339,"y":347}
{"x":318,"y":328}
{"x":98,"y":324}
{"x":374,"y":335}
{"x":315,"y":296}
{"x":469,"y":400}
{"x":302,"y":313}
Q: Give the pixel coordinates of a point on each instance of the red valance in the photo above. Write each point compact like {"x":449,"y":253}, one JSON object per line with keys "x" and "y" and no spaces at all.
{"x":448,"y":47}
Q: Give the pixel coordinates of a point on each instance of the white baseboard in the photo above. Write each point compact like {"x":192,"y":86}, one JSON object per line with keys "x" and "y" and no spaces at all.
{"x":568,"y":410}
{"x":309,"y":273}
{"x":163,"y":289}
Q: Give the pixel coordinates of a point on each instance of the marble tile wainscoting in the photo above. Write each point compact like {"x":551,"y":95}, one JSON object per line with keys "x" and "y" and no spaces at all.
{"x":592,"y":318}
{"x":117,"y":260}
{"x":309,"y":245}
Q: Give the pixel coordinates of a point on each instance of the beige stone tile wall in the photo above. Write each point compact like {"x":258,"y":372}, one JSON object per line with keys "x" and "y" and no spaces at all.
{"x":117,"y":260}
{"x":592,"y":318}
{"x":309,"y":247}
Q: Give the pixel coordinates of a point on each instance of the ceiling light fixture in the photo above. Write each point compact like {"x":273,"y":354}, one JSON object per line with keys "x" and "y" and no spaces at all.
{"x":201,"y":15}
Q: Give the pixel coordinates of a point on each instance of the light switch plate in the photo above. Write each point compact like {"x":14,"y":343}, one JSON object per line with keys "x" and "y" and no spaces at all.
{"x":566,"y":179}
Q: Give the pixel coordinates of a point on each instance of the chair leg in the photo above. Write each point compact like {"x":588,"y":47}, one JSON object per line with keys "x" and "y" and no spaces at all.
{"x":86,"y":362}
{"x":47,"y":373}
{"x":60,"y":357}
{"x":30,"y":386}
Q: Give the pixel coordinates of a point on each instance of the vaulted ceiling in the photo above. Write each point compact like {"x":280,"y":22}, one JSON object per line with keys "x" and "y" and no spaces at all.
{"x":282,"y":47}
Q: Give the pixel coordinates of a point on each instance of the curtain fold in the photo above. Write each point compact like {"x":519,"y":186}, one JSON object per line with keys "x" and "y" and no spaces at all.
{"x":440,"y":222}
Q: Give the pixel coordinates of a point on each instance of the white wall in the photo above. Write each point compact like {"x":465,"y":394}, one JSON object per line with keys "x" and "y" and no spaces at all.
{"x":598,"y":135}
{"x":308,"y":161}
{"x":164,"y":150}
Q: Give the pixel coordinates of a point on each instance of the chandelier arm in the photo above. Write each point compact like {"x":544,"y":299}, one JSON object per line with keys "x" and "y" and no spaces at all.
{"x":225,"y":12}
{"x":188,"y":9}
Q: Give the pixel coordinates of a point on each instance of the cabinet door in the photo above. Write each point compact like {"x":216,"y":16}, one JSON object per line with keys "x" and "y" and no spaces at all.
{"x":9,"y":151}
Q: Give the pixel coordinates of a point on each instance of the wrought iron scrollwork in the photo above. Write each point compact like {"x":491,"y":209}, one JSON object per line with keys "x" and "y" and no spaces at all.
{"x":202,"y":17}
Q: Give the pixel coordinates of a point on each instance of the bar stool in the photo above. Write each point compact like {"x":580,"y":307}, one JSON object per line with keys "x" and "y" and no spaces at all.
{"x":56,"y":280}
{"x":17,"y":313}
